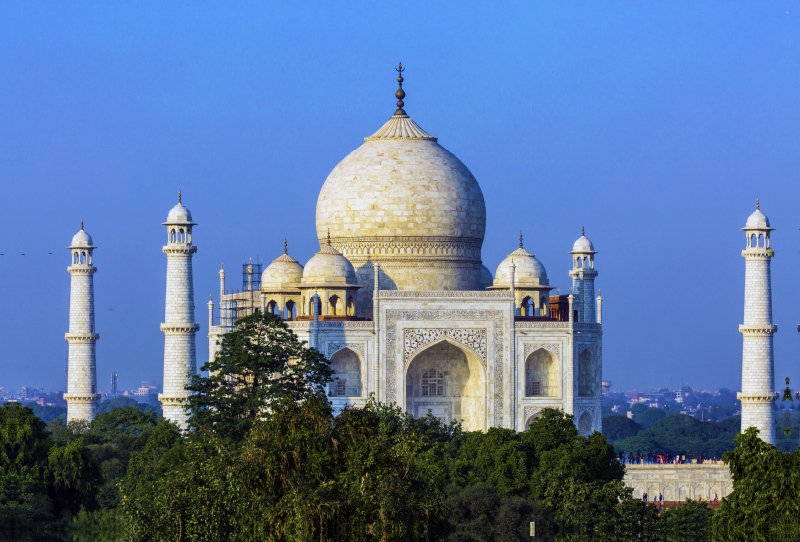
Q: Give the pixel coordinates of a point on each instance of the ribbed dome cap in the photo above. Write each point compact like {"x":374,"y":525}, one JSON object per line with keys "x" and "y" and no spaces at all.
{"x":283,"y":272}
{"x":329,"y":266}
{"x":757,"y":220}
{"x":82,"y":239}
{"x":179,"y":214}
{"x":529,"y":271}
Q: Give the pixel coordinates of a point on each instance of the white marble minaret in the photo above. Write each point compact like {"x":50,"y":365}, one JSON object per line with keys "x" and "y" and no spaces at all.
{"x":583,"y":275}
{"x":81,"y":396}
{"x":758,"y":372}
{"x":179,"y":326}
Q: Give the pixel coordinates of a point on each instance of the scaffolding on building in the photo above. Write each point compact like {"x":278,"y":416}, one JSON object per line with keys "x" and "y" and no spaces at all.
{"x":251,"y":276}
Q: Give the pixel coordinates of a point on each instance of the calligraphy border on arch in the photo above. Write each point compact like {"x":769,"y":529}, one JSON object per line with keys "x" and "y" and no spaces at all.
{"x":533,"y":347}
{"x":392,"y":348}
{"x":415,"y":339}
{"x":355,"y":347}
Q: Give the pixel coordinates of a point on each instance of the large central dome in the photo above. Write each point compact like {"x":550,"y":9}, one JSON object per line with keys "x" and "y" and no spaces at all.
{"x":403,"y":200}
{"x":401,"y":185}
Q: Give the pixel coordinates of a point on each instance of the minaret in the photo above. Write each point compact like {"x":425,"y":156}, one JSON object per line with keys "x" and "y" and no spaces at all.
{"x":81,"y":396}
{"x":583,"y":275}
{"x":758,"y":372}
{"x":179,"y":326}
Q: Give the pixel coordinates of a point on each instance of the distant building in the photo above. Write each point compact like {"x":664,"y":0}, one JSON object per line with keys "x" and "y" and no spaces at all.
{"x":605,"y":386}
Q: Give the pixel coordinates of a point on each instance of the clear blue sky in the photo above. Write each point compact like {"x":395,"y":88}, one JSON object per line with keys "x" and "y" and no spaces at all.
{"x":654,"y":124}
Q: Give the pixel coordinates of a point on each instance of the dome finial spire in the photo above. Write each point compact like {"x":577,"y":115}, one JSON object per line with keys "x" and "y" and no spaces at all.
{"x":520,"y":238}
{"x":179,"y":196}
{"x":81,"y":223}
{"x":758,"y":205}
{"x":583,"y":231}
{"x":329,"y":237}
{"x":285,"y":248}
{"x":400,"y":94}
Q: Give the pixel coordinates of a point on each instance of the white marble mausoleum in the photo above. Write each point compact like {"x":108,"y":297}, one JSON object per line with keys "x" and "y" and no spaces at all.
{"x":401,"y":302}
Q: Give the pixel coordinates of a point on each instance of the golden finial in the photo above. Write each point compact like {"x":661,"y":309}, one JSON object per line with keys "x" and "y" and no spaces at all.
{"x":758,"y":205}
{"x":222,"y":266}
{"x":329,"y":237}
{"x":211,"y":297}
{"x":600,"y":292}
{"x":400,"y":94}
{"x":285,"y":246}
{"x":179,"y":196}
{"x":583,"y":231}
{"x":520,"y":238}
{"x":81,"y":223}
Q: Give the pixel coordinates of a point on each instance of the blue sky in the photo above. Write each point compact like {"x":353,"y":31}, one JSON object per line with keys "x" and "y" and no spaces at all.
{"x":656,"y":125}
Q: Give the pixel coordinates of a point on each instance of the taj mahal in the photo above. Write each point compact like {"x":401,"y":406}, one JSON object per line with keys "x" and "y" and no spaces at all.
{"x":401,"y":302}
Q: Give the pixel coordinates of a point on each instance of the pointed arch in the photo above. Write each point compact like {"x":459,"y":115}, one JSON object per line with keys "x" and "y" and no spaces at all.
{"x":449,"y":380}
{"x":346,"y":365}
{"x":586,"y":374}
{"x":585,"y":424}
{"x":541,"y":378}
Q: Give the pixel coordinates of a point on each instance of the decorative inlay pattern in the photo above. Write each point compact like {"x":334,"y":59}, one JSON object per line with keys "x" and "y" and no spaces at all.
{"x":533,"y":347}
{"x":393,"y":353}
{"x":384,"y":294}
{"x":530,"y":411}
{"x":415,"y":339}
{"x":355,"y":347}
{"x":332,"y":325}
{"x":542,"y":325}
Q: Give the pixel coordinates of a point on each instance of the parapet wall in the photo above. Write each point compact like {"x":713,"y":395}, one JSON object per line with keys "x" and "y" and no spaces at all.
{"x":679,"y":482}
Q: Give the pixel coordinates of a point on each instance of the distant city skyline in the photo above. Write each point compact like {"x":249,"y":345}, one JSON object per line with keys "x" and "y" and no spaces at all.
{"x":654,"y":126}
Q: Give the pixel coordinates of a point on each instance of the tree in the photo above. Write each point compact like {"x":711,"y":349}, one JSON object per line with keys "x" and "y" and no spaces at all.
{"x":479,"y":514}
{"x":690,"y":522}
{"x":262,"y":361}
{"x":765,"y":503}
{"x":619,"y":427}
{"x":301,"y":474}
{"x":650,"y":416}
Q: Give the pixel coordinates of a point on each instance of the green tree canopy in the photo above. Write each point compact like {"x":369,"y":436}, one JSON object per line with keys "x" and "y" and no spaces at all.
{"x":262,"y":361}
{"x":765,"y":503}
{"x":301,"y":474}
{"x":681,"y":434}
{"x":619,"y":427}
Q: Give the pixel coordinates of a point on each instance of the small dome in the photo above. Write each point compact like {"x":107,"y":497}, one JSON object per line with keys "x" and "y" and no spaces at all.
{"x":757,"y":220}
{"x":486,"y":277}
{"x":82,"y":239}
{"x":284,"y":272}
{"x":583,"y":244}
{"x":328,"y":266}
{"x":529,"y":271}
{"x":179,"y":213}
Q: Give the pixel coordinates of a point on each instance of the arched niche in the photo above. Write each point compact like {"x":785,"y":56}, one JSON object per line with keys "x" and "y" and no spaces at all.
{"x":541,"y":375}
{"x":585,"y":424}
{"x":530,"y":419}
{"x":586,"y":374}
{"x":346,"y":367}
{"x":462,"y":396}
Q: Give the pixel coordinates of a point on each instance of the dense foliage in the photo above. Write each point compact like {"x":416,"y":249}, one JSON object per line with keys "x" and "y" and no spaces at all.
{"x":681,"y":434}
{"x":765,"y":503}
{"x":260,"y":362}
